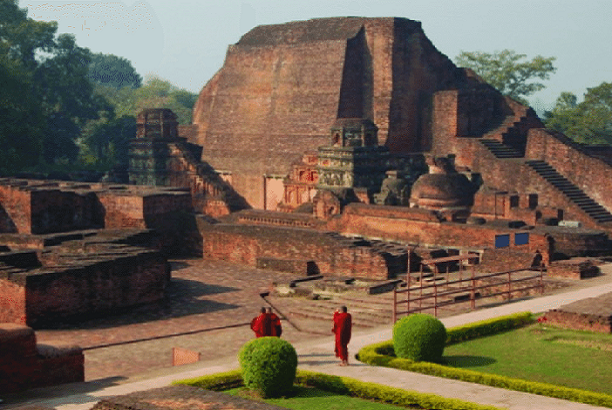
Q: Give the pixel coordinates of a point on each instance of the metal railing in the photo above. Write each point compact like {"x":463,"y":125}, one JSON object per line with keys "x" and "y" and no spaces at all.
{"x":451,"y":292}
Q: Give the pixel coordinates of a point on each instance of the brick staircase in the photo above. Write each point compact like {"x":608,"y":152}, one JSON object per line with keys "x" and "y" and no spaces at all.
{"x":512,"y":132}
{"x":594,"y":210}
{"x":367,"y":310}
{"x":500,"y":150}
{"x":212,"y":186}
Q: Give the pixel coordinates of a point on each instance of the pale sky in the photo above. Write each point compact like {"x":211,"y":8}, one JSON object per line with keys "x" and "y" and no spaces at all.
{"x":185,"y":41}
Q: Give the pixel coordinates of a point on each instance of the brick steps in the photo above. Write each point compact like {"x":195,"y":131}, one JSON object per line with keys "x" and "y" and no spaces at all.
{"x":589,"y":206}
{"x":500,"y":150}
{"x":368,"y":311}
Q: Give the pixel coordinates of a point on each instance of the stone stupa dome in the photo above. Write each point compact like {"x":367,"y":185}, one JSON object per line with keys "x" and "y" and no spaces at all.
{"x":442,"y":191}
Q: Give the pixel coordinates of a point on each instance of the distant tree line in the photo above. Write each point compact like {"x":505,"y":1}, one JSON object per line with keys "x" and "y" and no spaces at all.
{"x":62,"y":106}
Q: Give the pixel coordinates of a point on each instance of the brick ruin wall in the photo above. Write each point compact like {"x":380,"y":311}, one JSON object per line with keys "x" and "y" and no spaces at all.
{"x":579,"y":321}
{"x":96,"y":288}
{"x":420,"y":227}
{"x":79,"y":281}
{"x":276,"y":98}
{"x":41,"y":207}
{"x":409,"y":225}
{"x":24,"y":364}
{"x":573,"y":269}
{"x":510,"y":175}
{"x":247,"y":244}
{"x":583,"y":170}
{"x":592,"y":314}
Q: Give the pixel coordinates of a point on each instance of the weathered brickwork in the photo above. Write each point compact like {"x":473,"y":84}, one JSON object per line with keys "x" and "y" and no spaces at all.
{"x":41,"y":207}
{"x":24,"y":364}
{"x":332,"y":254}
{"x":96,"y":275}
{"x":573,"y":269}
{"x":159,"y":157}
{"x":575,"y":163}
{"x":283,"y":86}
{"x":592,"y":314}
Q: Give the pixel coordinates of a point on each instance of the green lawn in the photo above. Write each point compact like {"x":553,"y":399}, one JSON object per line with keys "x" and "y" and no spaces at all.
{"x":309,"y":398}
{"x":540,"y":353}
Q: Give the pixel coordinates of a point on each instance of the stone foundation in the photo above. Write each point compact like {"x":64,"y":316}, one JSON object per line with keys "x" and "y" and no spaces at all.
{"x":577,"y":268}
{"x":79,"y":279}
{"x":592,"y":314}
{"x":24,"y":364}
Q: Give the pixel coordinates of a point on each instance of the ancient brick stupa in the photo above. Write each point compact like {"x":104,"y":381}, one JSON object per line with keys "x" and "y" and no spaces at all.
{"x":282,"y":87}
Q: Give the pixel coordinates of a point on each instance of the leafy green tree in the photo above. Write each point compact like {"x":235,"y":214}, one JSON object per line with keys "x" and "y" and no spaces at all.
{"x":589,"y":121}
{"x":113,"y":71}
{"x":508,"y":71}
{"x":45,"y":95}
{"x":105,"y":142}
{"x":155,"y":93}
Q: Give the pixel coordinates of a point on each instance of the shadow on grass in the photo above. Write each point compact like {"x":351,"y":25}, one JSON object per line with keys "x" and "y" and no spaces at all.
{"x":463,"y":361}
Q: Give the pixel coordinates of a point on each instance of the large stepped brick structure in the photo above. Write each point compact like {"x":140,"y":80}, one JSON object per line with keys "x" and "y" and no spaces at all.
{"x":283,"y":86}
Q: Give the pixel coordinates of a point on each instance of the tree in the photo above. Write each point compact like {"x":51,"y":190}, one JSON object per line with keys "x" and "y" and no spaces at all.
{"x":508,"y":71}
{"x":105,"y":141}
{"x":45,"y":95}
{"x":589,"y":121}
{"x":112,"y":71}
{"x":155,"y":93}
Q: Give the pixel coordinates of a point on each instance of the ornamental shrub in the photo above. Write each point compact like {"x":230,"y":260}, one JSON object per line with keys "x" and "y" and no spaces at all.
{"x":419,"y":337}
{"x":268,"y":366}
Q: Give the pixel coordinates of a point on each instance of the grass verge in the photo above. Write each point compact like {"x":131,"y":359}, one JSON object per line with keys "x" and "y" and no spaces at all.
{"x":345,"y":386}
{"x":381,"y":354}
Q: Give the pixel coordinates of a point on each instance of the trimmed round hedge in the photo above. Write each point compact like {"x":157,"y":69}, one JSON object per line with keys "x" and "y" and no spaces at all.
{"x":268,"y":366}
{"x":419,"y":337}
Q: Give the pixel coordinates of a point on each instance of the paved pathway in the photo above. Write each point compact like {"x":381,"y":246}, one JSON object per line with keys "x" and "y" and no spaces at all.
{"x":317,"y":355}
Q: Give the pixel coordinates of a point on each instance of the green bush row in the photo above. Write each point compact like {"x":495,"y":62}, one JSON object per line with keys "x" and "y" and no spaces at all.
{"x":381,"y":354}
{"x":347,"y":386}
{"x":392,"y":395}
{"x":216,"y":382}
{"x":487,"y":327}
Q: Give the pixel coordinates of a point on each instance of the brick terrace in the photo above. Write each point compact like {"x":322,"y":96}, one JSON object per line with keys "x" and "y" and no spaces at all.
{"x":203,"y":295}
{"x":208,"y":307}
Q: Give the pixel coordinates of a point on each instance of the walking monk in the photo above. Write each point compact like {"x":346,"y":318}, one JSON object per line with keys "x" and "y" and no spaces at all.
{"x":262,"y":324}
{"x":342,"y":329}
{"x":276,"y":327}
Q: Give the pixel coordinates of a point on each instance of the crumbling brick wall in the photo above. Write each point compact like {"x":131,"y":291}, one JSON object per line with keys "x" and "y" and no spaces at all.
{"x":99,"y":279}
{"x":24,"y":364}
{"x":246,"y":244}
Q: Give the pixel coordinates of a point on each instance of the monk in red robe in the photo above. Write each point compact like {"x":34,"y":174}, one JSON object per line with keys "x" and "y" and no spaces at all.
{"x":275,"y":322}
{"x":262,"y":324}
{"x":342,"y":329}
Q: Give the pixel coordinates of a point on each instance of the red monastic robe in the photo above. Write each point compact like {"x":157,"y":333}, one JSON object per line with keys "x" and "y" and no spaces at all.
{"x":275,"y":324}
{"x":262,"y":325}
{"x":342,"y":329}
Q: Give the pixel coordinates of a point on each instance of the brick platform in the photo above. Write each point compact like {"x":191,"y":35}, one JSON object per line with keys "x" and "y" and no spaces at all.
{"x":593,"y":314}
{"x":24,"y":364}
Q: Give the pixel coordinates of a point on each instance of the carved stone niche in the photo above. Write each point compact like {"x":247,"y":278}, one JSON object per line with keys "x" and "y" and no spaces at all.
{"x":354,"y":132}
{"x":326,"y":204}
{"x":395,"y":190}
{"x":157,"y":123}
